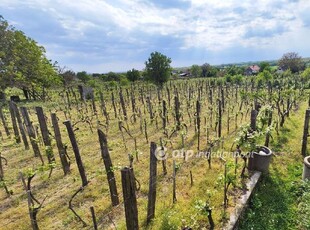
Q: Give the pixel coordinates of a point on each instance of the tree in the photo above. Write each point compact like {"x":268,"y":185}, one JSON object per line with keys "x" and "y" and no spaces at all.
{"x":264,"y":66}
{"x":234,"y":70}
{"x":67,"y":77}
{"x":111,"y":76}
{"x":291,"y":61}
{"x":263,"y":77}
{"x":196,"y":71}
{"x":305,"y":76}
{"x":96,"y":75}
{"x":23,"y":63}
{"x":205,"y":69}
{"x":158,"y":69}
{"x":133,"y":75}
{"x":208,"y":70}
{"x":83,"y":76}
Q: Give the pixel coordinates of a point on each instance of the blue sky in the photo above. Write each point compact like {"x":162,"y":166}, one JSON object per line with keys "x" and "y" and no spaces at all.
{"x":118,"y":35}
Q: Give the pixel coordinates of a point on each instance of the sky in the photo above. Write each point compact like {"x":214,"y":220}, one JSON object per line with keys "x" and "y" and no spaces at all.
{"x":99,"y":36}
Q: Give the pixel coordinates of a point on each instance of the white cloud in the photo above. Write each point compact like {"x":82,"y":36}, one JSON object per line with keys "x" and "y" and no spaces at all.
{"x":111,"y":27}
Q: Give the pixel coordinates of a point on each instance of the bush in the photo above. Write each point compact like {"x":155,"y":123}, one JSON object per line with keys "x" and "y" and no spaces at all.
{"x":168,"y":222}
{"x":303,"y":217}
{"x":124,"y":81}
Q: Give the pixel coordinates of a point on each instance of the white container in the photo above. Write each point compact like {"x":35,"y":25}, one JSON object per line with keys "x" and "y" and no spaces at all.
{"x":306,"y":173}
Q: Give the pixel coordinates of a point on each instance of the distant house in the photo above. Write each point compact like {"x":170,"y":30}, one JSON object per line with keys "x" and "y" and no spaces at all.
{"x":281,"y":70}
{"x":174,"y":72}
{"x":251,"y":70}
{"x":185,"y":74}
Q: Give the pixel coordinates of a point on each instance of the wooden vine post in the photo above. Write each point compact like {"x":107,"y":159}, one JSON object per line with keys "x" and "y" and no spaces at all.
{"x":61,"y":148}
{"x":164,"y":160}
{"x":93,"y":215}
{"x":164,"y":116}
{"x":152,"y":184}
{"x":210,"y":97}
{"x":174,"y":196}
{"x":80,"y":168}
{"x":267,"y":139}
{"x":31,"y":134}
{"x":33,"y":211}
{"x":305,"y":134}
{"x":2,"y":175}
{"x":108,"y":167}
{"x":219,"y":119}
{"x":7,"y":131}
{"x":198,"y":123}
{"x":14,"y":124}
{"x":133,"y":105}
{"x":93,"y":102}
{"x":76,"y":152}
{"x":148,"y":100}
{"x":177,"y":112}
{"x":45,"y":135}
{"x":130,"y":199}
{"x":225,"y":186}
{"x":113,"y":103}
{"x":20,"y":125}
{"x":104,"y":108}
{"x":222,"y":99}
{"x":123,"y":104}
{"x":254,"y":114}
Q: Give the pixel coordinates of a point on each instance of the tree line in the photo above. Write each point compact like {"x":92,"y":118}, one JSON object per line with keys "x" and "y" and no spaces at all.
{"x":23,"y":64}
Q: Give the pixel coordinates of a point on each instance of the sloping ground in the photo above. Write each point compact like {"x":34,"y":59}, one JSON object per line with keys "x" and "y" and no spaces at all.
{"x":282,"y":199}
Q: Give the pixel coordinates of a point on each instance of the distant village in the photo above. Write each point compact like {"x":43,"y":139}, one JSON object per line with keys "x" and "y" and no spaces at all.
{"x":247,"y":70}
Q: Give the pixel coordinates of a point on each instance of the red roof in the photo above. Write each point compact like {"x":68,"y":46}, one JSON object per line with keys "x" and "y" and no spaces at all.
{"x":254,"y":68}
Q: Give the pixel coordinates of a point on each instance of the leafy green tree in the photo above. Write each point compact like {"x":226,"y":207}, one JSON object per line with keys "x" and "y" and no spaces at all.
{"x":228,"y":78}
{"x":291,"y":61}
{"x":234,"y":70}
{"x":111,"y":76}
{"x":123,"y":81}
{"x":83,"y":76}
{"x":264,"y":65}
{"x":237,"y":79}
{"x":158,"y":69}
{"x":196,"y":71}
{"x":67,"y":77}
{"x":305,"y":76}
{"x":263,"y":77}
{"x":133,"y":75}
{"x":23,"y":63}
{"x":96,"y":75}
{"x":208,"y":70}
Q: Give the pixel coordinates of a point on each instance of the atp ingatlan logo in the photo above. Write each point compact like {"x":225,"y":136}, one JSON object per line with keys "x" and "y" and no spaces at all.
{"x":161,"y":153}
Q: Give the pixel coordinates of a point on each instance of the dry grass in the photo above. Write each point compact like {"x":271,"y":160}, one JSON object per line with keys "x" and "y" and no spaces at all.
{"x":58,"y":189}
